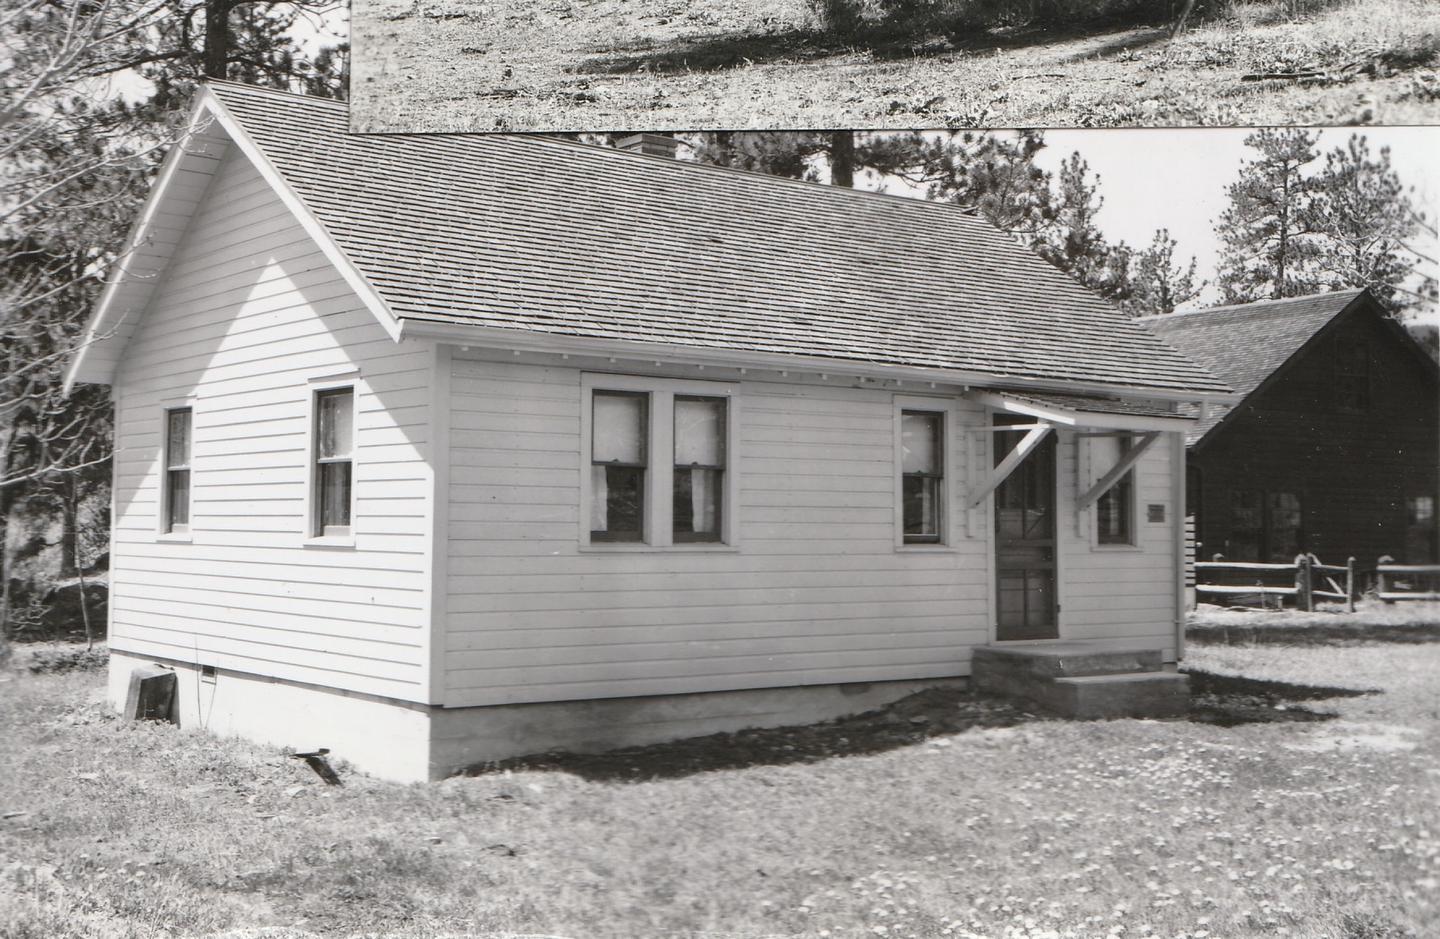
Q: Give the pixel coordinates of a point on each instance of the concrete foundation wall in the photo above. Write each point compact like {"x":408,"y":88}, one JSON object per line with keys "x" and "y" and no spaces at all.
{"x":382,"y":737}
{"x":465,"y":736}
{"x":404,"y":742}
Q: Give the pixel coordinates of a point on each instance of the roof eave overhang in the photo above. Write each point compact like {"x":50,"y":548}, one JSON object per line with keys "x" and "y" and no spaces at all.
{"x":624,"y":349}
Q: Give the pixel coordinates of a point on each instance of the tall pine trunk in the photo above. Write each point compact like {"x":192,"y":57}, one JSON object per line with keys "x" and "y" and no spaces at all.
{"x":842,"y":158}
{"x":217,"y":37}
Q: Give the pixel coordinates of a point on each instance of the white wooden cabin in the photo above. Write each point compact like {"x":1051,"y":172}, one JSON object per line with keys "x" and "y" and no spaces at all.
{"x":433,"y":450}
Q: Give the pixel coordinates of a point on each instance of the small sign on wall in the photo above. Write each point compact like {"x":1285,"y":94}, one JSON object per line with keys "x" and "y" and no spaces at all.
{"x":1155,"y":512}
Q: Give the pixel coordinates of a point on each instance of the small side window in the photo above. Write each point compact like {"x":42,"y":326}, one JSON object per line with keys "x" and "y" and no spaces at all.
{"x":177,"y":470}
{"x":334,"y":461}
{"x":620,"y":430}
{"x":922,"y":459}
{"x":1115,"y":510}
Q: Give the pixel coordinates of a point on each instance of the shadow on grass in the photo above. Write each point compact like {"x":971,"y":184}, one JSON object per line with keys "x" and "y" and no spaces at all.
{"x":934,"y":713}
{"x":1337,"y":634}
{"x":1230,"y":700}
{"x":720,"y":51}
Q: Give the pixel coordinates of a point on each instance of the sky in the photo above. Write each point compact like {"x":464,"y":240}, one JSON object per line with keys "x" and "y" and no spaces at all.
{"x":1175,"y":178}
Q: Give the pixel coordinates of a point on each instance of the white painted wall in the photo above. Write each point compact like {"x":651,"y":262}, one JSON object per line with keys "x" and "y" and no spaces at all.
{"x":246,"y":315}
{"x":817,"y":590}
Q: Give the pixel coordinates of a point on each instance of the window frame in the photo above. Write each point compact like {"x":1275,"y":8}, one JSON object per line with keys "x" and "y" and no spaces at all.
{"x":1130,"y":441}
{"x":941,"y":444}
{"x":950,"y":463}
{"x":658,"y":522}
{"x":167,"y":529}
{"x":721,"y":504}
{"x":315,"y":534}
{"x":646,"y":456}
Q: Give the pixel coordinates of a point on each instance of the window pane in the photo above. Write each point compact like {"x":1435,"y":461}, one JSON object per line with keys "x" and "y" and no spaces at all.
{"x":920,"y":442}
{"x":920,"y":509}
{"x":334,"y":495}
{"x":1246,"y":525}
{"x":178,"y":438}
{"x":178,"y":482}
{"x":337,"y":423}
{"x":699,"y":431}
{"x":617,"y":503}
{"x":617,"y":432}
{"x":1113,"y":510}
{"x":696,"y":505}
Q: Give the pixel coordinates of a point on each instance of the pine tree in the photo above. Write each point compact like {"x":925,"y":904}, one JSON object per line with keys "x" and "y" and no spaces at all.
{"x":1366,"y":221}
{"x":1159,"y":283}
{"x":1269,"y":248}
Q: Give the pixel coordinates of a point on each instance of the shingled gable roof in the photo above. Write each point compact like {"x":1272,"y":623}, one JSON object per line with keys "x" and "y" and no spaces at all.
{"x":1247,"y":343}
{"x":535,"y":236}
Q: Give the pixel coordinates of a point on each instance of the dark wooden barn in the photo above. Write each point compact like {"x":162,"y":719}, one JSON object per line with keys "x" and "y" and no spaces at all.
{"x":1335,"y":448}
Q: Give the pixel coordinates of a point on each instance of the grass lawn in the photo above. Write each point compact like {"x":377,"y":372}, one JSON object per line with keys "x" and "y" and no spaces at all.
{"x":566,"y":65}
{"x":949,"y":817}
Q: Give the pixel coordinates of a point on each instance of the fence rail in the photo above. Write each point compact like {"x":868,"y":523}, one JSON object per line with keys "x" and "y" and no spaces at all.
{"x":1311,"y":580}
{"x":1406,"y":581}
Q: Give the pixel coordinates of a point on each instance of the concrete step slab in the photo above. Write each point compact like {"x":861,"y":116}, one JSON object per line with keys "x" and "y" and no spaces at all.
{"x":1068,"y":659}
{"x":1141,"y":694}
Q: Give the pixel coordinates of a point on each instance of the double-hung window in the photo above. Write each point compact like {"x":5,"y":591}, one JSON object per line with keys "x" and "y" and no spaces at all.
{"x":698,"y":484}
{"x":659,"y":462}
{"x":1115,"y":509}
{"x":334,"y":469}
{"x":177,"y":470}
{"x":619,"y":450}
{"x":922,"y":480}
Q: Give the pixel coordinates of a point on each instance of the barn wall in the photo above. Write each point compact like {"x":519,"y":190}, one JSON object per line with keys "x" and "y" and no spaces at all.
{"x":1351,"y":470}
{"x":816,"y":592}
{"x":248,"y":312}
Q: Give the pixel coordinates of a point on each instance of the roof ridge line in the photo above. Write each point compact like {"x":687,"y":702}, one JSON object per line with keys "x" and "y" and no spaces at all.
{"x":1254,"y":303}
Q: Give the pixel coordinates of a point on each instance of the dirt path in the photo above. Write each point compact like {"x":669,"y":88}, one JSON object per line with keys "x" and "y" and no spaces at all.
{"x":460,"y":65}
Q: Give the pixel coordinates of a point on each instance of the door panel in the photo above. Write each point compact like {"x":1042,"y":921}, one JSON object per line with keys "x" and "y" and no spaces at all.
{"x":1025,"y":532}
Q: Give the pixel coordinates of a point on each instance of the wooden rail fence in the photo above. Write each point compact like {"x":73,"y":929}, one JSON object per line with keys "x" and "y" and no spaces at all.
{"x":1307,"y":579}
{"x":1406,"y":581}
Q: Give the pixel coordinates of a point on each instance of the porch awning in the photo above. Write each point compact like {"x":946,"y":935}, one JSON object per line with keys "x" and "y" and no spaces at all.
{"x":1086,"y":411}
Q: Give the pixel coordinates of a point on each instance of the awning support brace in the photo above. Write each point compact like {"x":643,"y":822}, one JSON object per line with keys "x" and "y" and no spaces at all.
{"x":1032,"y":439}
{"x":1121,"y":467}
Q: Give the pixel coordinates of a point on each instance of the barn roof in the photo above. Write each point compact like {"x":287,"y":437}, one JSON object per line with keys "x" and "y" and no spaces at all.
{"x":1246,"y":343}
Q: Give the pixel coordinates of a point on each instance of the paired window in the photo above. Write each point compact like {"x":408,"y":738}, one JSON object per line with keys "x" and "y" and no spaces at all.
{"x":177,"y":470}
{"x":1352,"y":374}
{"x":333,"y":471}
{"x":1115,"y":510}
{"x":1264,"y":526}
{"x":688,"y":434}
{"x":922,"y":475}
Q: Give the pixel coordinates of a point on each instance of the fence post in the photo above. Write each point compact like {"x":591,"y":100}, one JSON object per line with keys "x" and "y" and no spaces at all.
{"x":1304,"y":580}
{"x":1380,"y":575}
{"x":1350,"y":585}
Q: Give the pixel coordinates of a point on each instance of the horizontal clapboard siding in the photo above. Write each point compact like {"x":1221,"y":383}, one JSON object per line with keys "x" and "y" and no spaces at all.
{"x":247,"y":313}
{"x":1121,"y":594}
{"x":815,"y":593}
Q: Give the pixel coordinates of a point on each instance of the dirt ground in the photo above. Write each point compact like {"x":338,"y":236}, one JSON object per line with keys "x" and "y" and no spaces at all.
{"x":589,"y":65}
